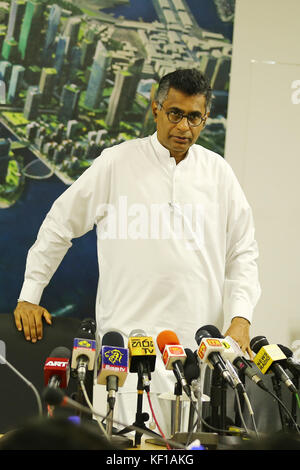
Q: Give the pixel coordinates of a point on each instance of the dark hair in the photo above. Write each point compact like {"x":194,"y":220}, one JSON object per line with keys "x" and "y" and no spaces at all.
{"x":55,"y":434}
{"x":188,"y":81}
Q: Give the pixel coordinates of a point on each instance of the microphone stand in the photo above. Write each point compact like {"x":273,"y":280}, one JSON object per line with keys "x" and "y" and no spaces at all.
{"x":218,"y":401}
{"x":176,"y":421}
{"x":277,"y":389}
{"x":140,"y":417}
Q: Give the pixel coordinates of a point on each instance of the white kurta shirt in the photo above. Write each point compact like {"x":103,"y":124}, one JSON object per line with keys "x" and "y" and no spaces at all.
{"x":176,"y":245}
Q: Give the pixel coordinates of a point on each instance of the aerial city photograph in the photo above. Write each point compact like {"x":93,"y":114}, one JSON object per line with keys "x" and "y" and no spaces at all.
{"x":78,"y":77}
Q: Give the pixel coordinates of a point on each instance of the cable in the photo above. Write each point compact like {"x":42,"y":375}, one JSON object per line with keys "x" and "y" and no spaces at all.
{"x":251,"y":413}
{"x":91,"y":408}
{"x":66,"y":401}
{"x":240,"y":410}
{"x":38,"y":398}
{"x":283,"y":406}
{"x":154,"y":417}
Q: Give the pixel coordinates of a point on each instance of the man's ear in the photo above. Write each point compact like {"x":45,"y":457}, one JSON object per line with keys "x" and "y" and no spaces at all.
{"x":154,"y":109}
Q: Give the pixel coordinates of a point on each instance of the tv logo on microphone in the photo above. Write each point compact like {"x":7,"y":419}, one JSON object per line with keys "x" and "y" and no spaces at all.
{"x":142,"y":346}
{"x":115,"y":356}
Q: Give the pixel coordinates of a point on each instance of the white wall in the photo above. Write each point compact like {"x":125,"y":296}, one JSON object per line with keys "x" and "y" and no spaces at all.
{"x":263,"y":147}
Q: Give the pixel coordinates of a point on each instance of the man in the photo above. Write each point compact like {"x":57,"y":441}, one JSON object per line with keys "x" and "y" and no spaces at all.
{"x":176,"y":243}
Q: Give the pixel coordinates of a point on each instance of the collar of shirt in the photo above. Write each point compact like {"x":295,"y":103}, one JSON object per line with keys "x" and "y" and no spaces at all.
{"x":163,"y":153}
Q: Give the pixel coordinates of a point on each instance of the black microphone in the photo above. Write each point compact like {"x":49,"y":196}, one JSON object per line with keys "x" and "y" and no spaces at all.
{"x":267,"y":358}
{"x":290,"y":362}
{"x":84,"y":349}
{"x":191,"y":367}
{"x":210,"y":349}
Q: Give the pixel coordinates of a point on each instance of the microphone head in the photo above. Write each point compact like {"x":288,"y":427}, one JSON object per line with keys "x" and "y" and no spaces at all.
{"x":207,"y":331}
{"x":113,"y":338}
{"x":87,"y":328}
{"x":137,"y":333}
{"x":53,"y":396}
{"x":258,"y":342}
{"x":286,"y":351}
{"x":61,"y":351}
{"x":191,"y":366}
{"x":166,"y":337}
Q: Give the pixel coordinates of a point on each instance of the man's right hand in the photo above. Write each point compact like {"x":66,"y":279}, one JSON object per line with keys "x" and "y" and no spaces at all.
{"x":29,"y":318}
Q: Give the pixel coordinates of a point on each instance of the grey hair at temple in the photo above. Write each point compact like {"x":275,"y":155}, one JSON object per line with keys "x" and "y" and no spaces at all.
{"x":188,"y":81}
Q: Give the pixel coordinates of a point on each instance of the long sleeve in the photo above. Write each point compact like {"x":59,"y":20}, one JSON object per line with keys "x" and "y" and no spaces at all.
{"x":241,"y":287}
{"x":72,"y":215}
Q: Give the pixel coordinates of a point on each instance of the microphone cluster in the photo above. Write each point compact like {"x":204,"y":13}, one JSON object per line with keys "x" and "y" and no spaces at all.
{"x":116,"y":360}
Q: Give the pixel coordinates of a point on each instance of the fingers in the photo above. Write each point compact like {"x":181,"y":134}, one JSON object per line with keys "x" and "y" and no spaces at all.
{"x":29,"y":318}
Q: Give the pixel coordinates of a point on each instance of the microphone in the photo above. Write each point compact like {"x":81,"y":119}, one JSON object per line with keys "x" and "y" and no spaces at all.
{"x":191,"y":367}
{"x":234,"y":354}
{"x":84,"y":349}
{"x":290,"y":362}
{"x":267,"y":357}
{"x":57,"y":368}
{"x":210,"y":352}
{"x":142,"y":356}
{"x":173,"y":356}
{"x":113,"y":364}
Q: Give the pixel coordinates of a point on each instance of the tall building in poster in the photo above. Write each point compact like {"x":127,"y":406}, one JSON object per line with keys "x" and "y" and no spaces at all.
{"x":97,"y":77}
{"x":16,"y":13}
{"x":53,"y":24}
{"x":15,"y":82}
{"x":31,"y":107}
{"x":29,"y":42}
{"x":123,"y":94}
{"x":68,"y":102}
{"x":47,"y":84}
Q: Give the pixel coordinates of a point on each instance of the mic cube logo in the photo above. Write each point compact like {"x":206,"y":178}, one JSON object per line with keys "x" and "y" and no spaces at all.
{"x":141,"y":346}
{"x":56,"y":363}
{"x":209,"y":345}
{"x":172,"y":353}
{"x":201,"y":350}
{"x":82,"y":343}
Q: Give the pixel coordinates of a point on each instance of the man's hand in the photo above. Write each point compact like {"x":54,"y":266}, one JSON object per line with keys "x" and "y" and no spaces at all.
{"x":239,"y":331}
{"x":29,"y":318}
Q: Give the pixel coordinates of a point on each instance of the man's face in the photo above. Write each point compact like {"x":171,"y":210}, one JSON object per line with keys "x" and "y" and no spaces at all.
{"x":178,"y":138}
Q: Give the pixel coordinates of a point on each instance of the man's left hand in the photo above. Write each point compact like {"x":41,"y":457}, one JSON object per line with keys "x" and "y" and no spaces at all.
{"x":239,"y":330}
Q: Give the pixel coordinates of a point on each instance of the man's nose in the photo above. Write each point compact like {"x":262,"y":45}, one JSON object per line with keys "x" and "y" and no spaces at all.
{"x":183,"y":124}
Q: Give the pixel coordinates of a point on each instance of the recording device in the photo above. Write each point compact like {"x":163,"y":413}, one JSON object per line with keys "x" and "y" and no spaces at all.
{"x":113,"y":364}
{"x":84,"y":349}
{"x":57,"y":368}
{"x":269,"y":358}
{"x":174,"y":356}
{"x":142,"y":356}
{"x":210,"y":352}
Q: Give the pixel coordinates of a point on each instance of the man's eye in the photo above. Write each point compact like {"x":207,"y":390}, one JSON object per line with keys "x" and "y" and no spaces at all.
{"x":175,"y":115}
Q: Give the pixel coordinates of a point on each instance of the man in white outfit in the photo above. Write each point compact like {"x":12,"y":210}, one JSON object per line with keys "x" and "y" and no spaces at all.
{"x":175,"y":233}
